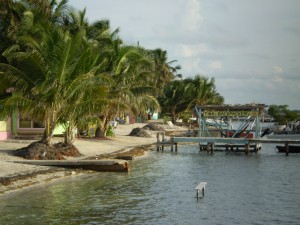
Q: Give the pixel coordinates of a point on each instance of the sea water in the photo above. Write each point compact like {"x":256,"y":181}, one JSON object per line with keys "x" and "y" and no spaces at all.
{"x":261,"y":188}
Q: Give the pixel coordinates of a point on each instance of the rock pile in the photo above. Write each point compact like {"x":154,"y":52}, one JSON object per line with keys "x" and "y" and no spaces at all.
{"x":139,"y":132}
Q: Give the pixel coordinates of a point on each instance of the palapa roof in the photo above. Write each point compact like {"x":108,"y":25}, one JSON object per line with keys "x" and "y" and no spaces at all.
{"x":246,"y":107}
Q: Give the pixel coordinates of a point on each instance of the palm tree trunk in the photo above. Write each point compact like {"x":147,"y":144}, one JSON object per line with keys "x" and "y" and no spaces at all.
{"x":49,"y":129}
{"x":69,"y":134}
{"x":48,"y":134}
{"x":173,"y":115}
{"x":102,"y":128}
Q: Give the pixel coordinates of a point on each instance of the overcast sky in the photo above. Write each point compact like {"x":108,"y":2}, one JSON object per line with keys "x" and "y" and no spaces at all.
{"x":250,"y":47}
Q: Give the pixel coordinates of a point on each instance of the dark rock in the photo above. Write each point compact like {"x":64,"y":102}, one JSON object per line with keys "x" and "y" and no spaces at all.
{"x":139,"y":132}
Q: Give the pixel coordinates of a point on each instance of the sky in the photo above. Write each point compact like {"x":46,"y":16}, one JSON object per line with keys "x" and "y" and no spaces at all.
{"x":250,"y":47}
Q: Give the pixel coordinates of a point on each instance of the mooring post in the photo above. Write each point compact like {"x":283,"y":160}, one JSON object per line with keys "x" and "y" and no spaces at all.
{"x":286,"y":149}
{"x":207,"y":147}
{"x":176,"y":146}
{"x":198,"y":193}
{"x":212,"y":149}
{"x":163,"y":141}
{"x":157,"y":141}
{"x":247,"y":148}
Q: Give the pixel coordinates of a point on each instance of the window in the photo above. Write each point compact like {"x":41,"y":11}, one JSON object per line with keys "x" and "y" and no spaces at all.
{"x":26,"y":123}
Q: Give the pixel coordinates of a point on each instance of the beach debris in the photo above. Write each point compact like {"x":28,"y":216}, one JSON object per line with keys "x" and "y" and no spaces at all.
{"x":139,"y":132}
{"x":40,"y":151}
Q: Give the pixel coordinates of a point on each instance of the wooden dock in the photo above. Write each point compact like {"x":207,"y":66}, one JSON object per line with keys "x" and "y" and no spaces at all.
{"x":211,"y":143}
{"x":114,"y":165}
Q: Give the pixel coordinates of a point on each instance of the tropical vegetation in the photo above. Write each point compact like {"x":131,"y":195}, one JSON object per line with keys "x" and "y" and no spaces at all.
{"x":282,"y":114}
{"x":63,"y":70}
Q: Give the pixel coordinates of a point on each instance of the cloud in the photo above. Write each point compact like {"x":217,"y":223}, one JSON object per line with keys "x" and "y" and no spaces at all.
{"x":277,"y":79}
{"x":191,"y":50}
{"x":191,"y":16}
{"x":215,"y":65}
{"x":251,"y":49}
{"x":277,"y":69}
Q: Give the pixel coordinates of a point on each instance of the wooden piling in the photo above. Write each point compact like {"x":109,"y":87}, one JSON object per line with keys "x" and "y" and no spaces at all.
{"x":256,"y":148}
{"x":157,"y":141}
{"x":247,"y":148}
{"x":207,"y":147}
{"x":212,"y":148}
{"x":286,"y":149}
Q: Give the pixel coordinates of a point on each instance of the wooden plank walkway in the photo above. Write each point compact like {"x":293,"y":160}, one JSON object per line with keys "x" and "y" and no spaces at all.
{"x":231,"y":142}
{"x":96,"y":165}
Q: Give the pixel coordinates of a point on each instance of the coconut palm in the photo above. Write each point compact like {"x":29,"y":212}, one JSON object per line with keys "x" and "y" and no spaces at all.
{"x":204,"y":92}
{"x":175,"y":98}
{"x":128,"y":91}
{"x":50,"y":74}
{"x":164,"y":71}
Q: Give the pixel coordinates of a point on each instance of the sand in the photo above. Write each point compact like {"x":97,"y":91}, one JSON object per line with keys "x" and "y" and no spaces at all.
{"x":15,"y":176}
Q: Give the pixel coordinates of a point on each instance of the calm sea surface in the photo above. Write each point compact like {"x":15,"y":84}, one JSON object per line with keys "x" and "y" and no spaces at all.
{"x":256,"y":189}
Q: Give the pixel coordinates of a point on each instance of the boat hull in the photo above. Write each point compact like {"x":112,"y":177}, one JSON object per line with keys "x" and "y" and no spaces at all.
{"x":292,"y":149}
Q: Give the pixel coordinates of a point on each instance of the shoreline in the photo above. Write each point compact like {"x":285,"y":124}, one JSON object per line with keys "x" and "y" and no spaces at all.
{"x":9,"y":185}
{"x":17,"y":177}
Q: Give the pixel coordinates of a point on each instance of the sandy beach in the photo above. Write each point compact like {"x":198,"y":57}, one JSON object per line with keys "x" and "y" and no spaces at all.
{"x":15,"y":176}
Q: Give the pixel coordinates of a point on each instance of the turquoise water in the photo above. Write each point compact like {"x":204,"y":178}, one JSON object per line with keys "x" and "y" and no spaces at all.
{"x":255,"y":189}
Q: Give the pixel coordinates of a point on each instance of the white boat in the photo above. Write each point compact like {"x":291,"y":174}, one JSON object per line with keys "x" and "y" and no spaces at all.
{"x":216,"y":123}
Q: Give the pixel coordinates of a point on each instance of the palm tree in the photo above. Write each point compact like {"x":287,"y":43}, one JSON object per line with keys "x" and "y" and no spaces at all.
{"x":54,"y":55}
{"x":50,"y":74}
{"x":204,"y":92}
{"x":163,"y":70}
{"x":175,"y":98}
{"x":128,"y":91}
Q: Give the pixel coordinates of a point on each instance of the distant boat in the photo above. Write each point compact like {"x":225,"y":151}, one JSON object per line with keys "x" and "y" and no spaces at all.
{"x":216,"y":123}
{"x":293,"y":136}
{"x":292,"y":148}
{"x":241,"y":134}
{"x":211,"y":122}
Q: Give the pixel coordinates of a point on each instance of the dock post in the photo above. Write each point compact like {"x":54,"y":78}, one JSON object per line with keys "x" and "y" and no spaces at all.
{"x":176,"y":146}
{"x":207,"y":147}
{"x":286,"y":149}
{"x":157,"y":141}
{"x":256,"y":148}
{"x":212,"y":148}
{"x":163,"y":141}
{"x":247,"y":148}
{"x":198,"y":192}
